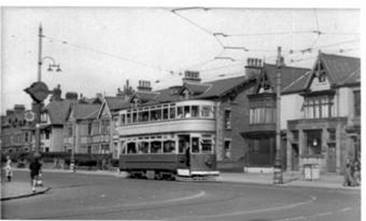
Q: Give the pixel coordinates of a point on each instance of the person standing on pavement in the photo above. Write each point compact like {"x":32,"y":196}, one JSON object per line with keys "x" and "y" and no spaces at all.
{"x":35,"y":168}
{"x":348,"y":178}
{"x":8,"y":169}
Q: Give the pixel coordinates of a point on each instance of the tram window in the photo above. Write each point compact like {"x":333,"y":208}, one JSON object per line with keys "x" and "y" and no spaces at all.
{"x":129,"y":118}
{"x":131,"y":148}
{"x":195,"y":111}
{"x":145,"y":116}
{"x":143,"y":147}
{"x":206,"y":111}
{"x":179,"y":112}
{"x":123,"y":119}
{"x":195,"y":145}
{"x":187,"y":113}
{"x":156,"y":114}
{"x":134,"y":116}
{"x":165,"y":113}
{"x":169,"y":146}
{"x":156,"y":147}
{"x":206,"y":145}
{"x":172,"y":112}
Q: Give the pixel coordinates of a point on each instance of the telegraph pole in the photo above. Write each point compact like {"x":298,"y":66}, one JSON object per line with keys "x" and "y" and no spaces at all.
{"x":277,"y":173}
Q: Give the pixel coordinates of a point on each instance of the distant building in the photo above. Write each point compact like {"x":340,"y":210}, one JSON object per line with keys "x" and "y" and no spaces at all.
{"x":16,"y":132}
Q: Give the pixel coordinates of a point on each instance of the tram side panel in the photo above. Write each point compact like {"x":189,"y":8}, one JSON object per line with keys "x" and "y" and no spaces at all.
{"x":164,"y":162}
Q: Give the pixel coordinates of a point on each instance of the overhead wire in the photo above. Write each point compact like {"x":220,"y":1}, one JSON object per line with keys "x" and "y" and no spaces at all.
{"x":97,"y":51}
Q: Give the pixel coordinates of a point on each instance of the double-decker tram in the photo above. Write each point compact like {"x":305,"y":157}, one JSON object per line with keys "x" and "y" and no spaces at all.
{"x":169,"y":141}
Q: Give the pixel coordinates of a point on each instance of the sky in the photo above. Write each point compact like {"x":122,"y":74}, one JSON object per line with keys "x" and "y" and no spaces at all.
{"x":99,"y":48}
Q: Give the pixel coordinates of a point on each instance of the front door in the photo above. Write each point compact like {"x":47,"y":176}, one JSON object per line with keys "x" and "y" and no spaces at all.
{"x":295,"y":157}
{"x":331,"y":161}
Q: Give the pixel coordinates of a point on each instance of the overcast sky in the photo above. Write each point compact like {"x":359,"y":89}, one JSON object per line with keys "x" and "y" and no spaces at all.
{"x":99,"y":48}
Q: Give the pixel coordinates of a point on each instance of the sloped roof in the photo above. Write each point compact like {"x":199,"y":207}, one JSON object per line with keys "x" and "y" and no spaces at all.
{"x":292,"y":78}
{"x":58,"y":110}
{"x":196,"y":88}
{"x":86,"y":111}
{"x":116,"y":103}
{"x":342,"y":69}
{"x":220,"y":87}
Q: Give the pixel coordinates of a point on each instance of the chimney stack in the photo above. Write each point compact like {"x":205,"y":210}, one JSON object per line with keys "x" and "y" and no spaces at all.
{"x":253,"y":67}
{"x":71,"y":96}
{"x":191,"y":77}
{"x":144,"y":86}
{"x":18,"y":108}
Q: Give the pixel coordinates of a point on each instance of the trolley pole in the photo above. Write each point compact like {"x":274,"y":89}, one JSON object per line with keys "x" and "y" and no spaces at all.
{"x":277,"y":173}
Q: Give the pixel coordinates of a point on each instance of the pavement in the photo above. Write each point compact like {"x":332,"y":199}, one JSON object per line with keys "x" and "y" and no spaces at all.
{"x":15,"y":190}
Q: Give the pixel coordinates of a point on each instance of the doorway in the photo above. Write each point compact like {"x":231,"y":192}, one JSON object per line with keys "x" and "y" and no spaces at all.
{"x":295,"y":157}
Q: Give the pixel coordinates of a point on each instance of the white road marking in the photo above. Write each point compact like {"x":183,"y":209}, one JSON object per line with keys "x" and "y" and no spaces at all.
{"x":346,"y":209}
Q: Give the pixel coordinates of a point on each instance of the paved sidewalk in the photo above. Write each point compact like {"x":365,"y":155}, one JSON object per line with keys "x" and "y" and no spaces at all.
{"x":289,"y":179}
{"x":15,"y":190}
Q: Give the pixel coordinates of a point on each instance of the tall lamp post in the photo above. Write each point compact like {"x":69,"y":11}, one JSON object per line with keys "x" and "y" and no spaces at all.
{"x":39,"y":90}
{"x":277,"y":173}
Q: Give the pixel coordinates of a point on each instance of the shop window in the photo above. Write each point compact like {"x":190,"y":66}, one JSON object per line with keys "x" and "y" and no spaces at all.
{"x":314,"y":142}
{"x":227,"y":149}
{"x":195,"y":145}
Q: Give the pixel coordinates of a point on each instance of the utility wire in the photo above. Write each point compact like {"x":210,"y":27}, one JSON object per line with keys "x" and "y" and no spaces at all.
{"x":97,"y":51}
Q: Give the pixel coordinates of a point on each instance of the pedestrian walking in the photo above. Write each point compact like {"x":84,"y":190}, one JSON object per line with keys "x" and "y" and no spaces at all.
{"x":35,"y":169}
{"x":8,"y":169}
{"x":348,"y":174}
{"x":357,"y":172}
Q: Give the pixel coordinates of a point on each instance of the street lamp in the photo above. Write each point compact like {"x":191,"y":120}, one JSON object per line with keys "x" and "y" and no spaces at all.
{"x":39,"y":90}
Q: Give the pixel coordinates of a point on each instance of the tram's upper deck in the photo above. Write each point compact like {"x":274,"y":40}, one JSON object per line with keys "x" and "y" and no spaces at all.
{"x":188,"y":115}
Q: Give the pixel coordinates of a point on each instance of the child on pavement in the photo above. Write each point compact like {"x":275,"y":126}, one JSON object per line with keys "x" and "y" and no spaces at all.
{"x":8,"y":169}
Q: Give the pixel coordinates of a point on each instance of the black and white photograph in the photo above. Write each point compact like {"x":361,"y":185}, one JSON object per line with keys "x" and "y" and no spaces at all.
{"x":186,"y":112}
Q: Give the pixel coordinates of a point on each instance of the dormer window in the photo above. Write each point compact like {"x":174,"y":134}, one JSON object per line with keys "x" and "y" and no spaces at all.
{"x":322,"y":77}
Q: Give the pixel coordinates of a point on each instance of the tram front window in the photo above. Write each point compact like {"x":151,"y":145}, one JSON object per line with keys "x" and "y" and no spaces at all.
{"x":195,"y":145}
{"x":206,"y":145}
{"x":195,"y":111}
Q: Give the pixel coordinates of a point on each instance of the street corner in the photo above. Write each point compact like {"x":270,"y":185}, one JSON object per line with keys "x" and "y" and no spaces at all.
{"x":17,"y":190}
